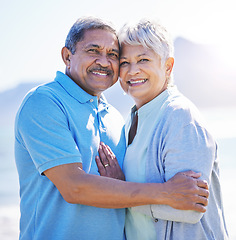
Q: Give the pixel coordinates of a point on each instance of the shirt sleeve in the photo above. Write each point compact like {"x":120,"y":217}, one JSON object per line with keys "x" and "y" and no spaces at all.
{"x":43,"y":130}
{"x":185,"y":145}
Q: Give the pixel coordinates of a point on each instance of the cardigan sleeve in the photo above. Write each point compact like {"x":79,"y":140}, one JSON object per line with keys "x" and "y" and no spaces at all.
{"x":180,"y":145}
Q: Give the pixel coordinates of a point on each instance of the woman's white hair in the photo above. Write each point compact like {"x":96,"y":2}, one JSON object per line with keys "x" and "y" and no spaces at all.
{"x":149,"y":34}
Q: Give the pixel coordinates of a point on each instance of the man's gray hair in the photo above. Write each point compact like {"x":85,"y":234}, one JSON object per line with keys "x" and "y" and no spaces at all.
{"x":149,"y":34}
{"x":79,"y":28}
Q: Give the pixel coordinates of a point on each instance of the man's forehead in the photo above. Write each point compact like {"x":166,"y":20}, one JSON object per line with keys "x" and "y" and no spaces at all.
{"x":100,"y":38}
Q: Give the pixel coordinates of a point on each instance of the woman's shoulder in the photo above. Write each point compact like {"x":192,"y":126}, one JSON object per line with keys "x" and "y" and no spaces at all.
{"x":181,"y":110}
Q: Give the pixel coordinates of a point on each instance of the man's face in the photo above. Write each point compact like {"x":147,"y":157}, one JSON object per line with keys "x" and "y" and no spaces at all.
{"x":95,"y":64}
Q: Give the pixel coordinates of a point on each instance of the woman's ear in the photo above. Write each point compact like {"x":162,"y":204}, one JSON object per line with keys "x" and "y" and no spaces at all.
{"x":169,"y":66}
{"x":66,"y":55}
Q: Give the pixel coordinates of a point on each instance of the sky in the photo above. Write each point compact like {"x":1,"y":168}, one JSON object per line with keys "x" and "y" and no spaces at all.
{"x":33,"y":31}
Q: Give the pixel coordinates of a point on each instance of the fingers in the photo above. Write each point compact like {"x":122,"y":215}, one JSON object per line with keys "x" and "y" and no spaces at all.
{"x":202,"y":184}
{"x":100,"y":166}
{"x":107,"y":163}
{"x":110,"y":157}
{"x":203,"y":192}
{"x":202,"y":201}
{"x":199,"y":208}
{"x":192,"y":174}
{"x":109,"y":151}
{"x":103,"y":155}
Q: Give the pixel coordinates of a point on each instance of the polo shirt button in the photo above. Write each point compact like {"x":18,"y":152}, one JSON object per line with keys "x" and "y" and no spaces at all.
{"x":156,"y":220}
{"x":91,"y":100}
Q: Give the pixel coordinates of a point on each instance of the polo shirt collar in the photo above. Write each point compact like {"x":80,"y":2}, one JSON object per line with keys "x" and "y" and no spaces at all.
{"x":76,"y":91}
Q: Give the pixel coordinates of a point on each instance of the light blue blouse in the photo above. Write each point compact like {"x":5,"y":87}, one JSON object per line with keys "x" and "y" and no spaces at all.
{"x":139,"y":226}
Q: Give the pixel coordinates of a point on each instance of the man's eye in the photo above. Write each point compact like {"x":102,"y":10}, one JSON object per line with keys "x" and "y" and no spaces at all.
{"x":92,"y":50}
{"x":123,"y":63}
{"x":115,"y":55}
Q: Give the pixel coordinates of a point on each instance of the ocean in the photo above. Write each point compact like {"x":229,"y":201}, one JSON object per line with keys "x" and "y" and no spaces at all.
{"x":221,"y":123}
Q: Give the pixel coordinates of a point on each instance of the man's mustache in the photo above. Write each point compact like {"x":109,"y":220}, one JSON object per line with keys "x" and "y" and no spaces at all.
{"x":101,"y":69}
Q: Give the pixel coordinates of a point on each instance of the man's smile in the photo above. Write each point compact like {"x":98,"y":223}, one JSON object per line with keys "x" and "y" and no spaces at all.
{"x":101,"y":71}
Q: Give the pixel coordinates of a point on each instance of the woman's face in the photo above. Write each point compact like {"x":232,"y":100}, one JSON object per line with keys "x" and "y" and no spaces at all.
{"x":142,"y":75}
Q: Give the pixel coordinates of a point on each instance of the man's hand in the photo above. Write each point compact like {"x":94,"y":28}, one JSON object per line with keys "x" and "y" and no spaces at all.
{"x":107,"y":163}
{"x":186,"y":192}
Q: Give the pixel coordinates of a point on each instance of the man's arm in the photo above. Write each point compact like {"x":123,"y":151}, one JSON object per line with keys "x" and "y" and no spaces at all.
{"x":43,"y":130}
{"x":78,"y":187}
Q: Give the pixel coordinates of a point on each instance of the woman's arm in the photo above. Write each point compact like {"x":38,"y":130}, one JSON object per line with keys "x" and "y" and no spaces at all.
{"x":185,"y":147}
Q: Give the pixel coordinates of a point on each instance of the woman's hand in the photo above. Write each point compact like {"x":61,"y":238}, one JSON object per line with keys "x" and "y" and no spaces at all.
{"x":107,"y":163}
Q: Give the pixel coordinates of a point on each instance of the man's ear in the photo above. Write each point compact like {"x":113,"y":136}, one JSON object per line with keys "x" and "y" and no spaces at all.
{"x":169,"y":66}
{"x":66,"y":55}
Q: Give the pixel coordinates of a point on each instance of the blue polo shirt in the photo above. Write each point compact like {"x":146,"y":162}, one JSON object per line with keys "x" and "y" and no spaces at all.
{"x":59,"y":123}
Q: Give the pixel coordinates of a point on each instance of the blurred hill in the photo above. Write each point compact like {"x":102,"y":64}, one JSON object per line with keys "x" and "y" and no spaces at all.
{"x":199,"y":72}
{"x":10,"y":100}
{"x":202,"y":74}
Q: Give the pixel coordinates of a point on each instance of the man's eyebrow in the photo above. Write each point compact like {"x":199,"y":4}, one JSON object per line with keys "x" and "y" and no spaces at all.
{"x":115,"y":50}
{"x":92,"y":45}
{"x":99,"y":47}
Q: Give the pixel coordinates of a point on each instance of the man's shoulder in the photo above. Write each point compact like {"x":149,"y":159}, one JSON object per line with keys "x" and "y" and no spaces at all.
{"x":39,"y":96}
{"x":50,"y":90}
{"x":47,"y":88}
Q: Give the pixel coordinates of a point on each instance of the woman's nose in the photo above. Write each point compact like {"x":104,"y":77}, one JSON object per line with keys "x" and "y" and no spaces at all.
{"x":134,"y":69}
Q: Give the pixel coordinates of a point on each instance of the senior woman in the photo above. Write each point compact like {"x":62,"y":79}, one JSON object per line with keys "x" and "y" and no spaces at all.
{"x":170,"y":138}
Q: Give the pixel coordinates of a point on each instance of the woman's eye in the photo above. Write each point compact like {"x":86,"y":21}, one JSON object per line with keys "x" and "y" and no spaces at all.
{"x":123,"y":63}
{"x":143,"y":60}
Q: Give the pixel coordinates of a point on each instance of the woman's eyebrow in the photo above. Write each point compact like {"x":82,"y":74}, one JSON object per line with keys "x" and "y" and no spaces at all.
{"x":140,"y":55}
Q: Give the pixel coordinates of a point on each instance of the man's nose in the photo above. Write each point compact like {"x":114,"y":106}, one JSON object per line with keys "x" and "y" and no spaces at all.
{"x":103,"y":61}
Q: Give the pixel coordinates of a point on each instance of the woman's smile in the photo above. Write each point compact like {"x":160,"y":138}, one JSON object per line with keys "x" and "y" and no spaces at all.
{"x":136,"y":82}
